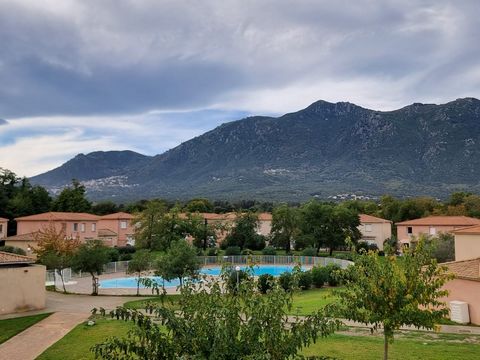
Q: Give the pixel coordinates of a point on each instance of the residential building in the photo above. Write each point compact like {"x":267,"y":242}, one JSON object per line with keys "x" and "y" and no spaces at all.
{"x":467,"y":243}
{"x":466,"y":286}
{"x":117,"y":228}
{"x":22,"y":284}
{"x":26,"y":242}
{"x":432,"y":225}
{"x":3,"y":228}
{"x":374,"y":230}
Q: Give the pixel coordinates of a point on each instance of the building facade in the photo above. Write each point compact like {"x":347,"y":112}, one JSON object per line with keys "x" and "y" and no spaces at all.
{"x":374,"y":230}
{"x":3,"y":228}
{"x":467,"y":243}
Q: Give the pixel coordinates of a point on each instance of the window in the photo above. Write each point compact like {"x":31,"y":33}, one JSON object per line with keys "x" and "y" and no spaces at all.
{"x":409,"y":230}
{"x":123,"y":224}
{"x":82,"y":227}
{"x":433,"y":231}
{"x":94,"y":227}
{"x":75,"y":226}
{"x":368,"y":227}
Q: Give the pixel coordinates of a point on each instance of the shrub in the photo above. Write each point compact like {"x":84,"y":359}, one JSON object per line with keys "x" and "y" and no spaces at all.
{"x":286,"y":281}
{"x":13,"y":250}
{"x":269,"y":250}
{"x":232,"y":251}
{"x":247,"y":252}
{"x":257,"y":242}
{"x":344,"y":256}
{"x":212,"y":252}
{"x":232,"y":278}
{"x":305,"y":280}
{"x":319,"y":276}
{"x":113,"y":254}
{"x":126,"y":257}
{"x":265,"y":283}
{"x":332,"y":276}
{"x":309,"y":251}
{"x":127,"y":249}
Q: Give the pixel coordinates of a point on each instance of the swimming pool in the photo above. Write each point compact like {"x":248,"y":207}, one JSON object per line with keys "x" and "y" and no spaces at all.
{"x":131,"y":282}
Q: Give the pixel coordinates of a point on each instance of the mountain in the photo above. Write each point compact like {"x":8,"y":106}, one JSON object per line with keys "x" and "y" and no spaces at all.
{"x":323,"y":150}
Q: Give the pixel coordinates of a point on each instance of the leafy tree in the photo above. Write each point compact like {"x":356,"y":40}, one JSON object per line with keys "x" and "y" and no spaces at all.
{"x":178,"y":262}
{"x":91,"y":257}
{"x":199,"y":205}
{"x":392,"y":292}
{"x":54,"y":249}
{"x":209,"y":324}
{"x":244,"y":231}
{"x":139,"y":265}
{"x":105,"y":208}
{"x":202,"y":233}
{"x":149,"y":224}
{"x":72,"y":199}
{"x":285,"y":225}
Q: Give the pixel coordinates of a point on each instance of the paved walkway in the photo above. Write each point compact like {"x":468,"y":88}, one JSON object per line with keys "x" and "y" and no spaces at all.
{"x":69,"y":311}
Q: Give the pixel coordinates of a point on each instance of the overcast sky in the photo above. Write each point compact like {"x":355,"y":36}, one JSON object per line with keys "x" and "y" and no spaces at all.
{"x":78,"y":75}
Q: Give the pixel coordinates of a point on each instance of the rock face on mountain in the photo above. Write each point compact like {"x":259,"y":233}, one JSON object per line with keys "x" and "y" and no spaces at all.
{"x":323,"y":150}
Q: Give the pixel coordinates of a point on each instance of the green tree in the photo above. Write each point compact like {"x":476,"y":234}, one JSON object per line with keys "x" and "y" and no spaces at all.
{"x":244,"y":231}
{"x":91,"y":257}
{"x":149,"y":224}
{"x":392,"y":292}
{"x":72,"y":199}
{"x":285,"y":225}
{"x":201,"y":232}
{"x":139,"y":265}
{"x":199,"y":205}
{"x":212,"y":324}
{"x":178,"y":262}
{"x":105,"y":208}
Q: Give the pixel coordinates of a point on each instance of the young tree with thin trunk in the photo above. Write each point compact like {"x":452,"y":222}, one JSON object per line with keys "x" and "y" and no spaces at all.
{"x":285,"y":224}
{"x":54,"y":249}
{"x":391,"y":292}
{"x":139,"y":265}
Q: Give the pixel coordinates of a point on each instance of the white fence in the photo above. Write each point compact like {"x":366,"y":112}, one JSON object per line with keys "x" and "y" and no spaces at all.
{"x":53,"y":277}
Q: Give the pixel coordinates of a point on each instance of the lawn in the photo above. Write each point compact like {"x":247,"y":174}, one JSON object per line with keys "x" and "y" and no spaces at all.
{"x":77,"y":343}
{"x":11,"y":327}
{"x":140,"y":304}
{"x":371,"y":347}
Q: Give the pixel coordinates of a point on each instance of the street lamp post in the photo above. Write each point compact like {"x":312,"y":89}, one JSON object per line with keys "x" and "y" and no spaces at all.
{"x":237,"y":269}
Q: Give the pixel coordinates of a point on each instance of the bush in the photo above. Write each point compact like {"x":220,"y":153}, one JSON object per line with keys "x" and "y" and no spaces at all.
{"x":265,"y":283}
{"x":305,"y":280}
{"x":247,"y":252}
{"x":309,"y":251}
{"x":269,"y":250}
{"x":257,"y":242}
{"x":232,"y":251}
{"x":126,"y":257}
{"x":319,"y":276}
{"x":344,"y":256}
{"x":13,"y":250}
{"x":127,"y":249}
{"x":286,"y":281}
{"x":212,"y":252}
{"x":232,"y":278}
{"x":113,"y":254}
{"x":332,"y":276}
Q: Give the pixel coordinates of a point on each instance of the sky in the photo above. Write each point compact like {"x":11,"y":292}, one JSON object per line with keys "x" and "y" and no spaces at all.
{"x":83,"y":75}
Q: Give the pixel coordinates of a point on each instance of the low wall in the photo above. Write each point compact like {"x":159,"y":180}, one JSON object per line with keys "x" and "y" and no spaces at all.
{"x":22,"y":288}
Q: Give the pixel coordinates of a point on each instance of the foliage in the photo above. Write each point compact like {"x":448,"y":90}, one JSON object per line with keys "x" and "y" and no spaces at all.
{"x":305,"y":280}
{"x":244,"y":234}
{"x":266,"y":282}
{"x":444,"y":247}
{"x":333,"y":272}
{"x":319,"y":276}
{"x":139,"y":265}
{"x":13,"y":250}
{"x":208,"y":325}
{"x":105,"y":208}
{"x":309,"y":251}
{"x":212,"y":251}
{"x":126,"y":249}
{"x":234,"y":278}
{"x":269,"y":250}
{"x":286,"y":281}
{"x":246,"y":252}
{"x":199,"y":205}
{"x":150,"y":226}
{"x":113,"y":254}
{"x":72,"y":199}
{"x":390,"y":245}
{"x":179,"y":261}
{"x":285,"y":222}
{"x":54,"y":249}
{"x":232,"y":251}
{"x":91,"y":257}
{"x":391,"y":292}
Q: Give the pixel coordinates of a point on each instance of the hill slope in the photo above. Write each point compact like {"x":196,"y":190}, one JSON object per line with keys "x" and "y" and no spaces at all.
{"x":322,"y":150}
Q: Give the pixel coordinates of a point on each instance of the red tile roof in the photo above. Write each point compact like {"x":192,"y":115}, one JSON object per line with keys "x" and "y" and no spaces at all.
{"x":466,"y":269}
{"x":21,"y":237}
{"x":443,"y":221}
{"x":470,"y":230}
{"x":117,"y":216}
{"x":60,"y":216}
{"x":106,"y":233}
{"x":8,"y":258}
{"x":364,"y":218}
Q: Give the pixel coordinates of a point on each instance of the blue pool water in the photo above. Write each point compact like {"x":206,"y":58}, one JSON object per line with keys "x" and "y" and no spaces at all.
{"x":131,"y":282}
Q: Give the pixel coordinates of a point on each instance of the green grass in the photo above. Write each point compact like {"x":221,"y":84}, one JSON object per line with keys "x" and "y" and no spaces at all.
{"x":77,"y":343}
{"x":11,"y":327}
{"x":371,"y":347}
{"x":307,"y":302}
{"x":140,"y":304}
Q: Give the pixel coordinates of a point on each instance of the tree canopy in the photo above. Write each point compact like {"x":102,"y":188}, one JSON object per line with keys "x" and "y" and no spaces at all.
{"x":72,"y":199}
